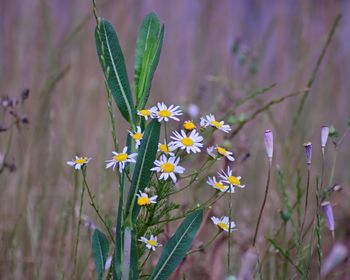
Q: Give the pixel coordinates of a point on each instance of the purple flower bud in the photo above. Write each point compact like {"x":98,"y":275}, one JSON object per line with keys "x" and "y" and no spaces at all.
{"x":269,"y":143}
{"x":328,"y":212}
{"x":308,"y":152}
{"x":249,"y":261}
{"x":337,"y":255}
{"x":324,"y":135}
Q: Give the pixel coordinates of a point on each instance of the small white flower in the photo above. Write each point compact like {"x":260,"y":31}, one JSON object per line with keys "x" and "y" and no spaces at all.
{"x":225,"y":153}
{"x":121,"y":159}
{"x":137,"y":136}
{"x":230,"y":179}
{"x":78,"y":162}
{"x":223,"y":223}
{"x":219,"y":185}
{"x":162,"y":112}
{"x":144,"y":200}
{"x":210,"y":151}
{"x":191,"y":143}
{"x":166,"y":148}
{"x":151,"y":243}
{"x":168,"y":167}
{"x":209,"y":120}
{"x":146,"y":113}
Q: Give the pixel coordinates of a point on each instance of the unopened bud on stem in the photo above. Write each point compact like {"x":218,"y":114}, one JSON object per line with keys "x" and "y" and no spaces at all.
{"x":269,"y":144}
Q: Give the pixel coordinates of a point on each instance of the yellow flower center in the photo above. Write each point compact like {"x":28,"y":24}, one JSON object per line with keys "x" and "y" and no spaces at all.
{"x":82,"y":160}
{"x":164,"y":148}
{"x":145,"y":112}
{"x":137,"y":136}
{"x":121,"y":157}
{"x":152,"y":242}
{"x":216,"y":124}
{"x":188,"y":125}
{"x":222,"y":151}
{"x":188,"y":142}
{"x":219,"y":186}
{"x":142,"y":201}
{"x":223,"y":226}
{"x":234,"y":180}
{"x":167,"y":167}
{"x":164,"y":113}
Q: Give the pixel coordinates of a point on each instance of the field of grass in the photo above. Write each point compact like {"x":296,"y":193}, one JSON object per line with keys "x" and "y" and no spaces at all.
{"x":279,"y":66}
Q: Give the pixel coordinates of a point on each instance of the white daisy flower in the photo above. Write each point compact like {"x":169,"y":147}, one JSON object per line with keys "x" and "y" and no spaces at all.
{"x":224,"y":223}
{"x":78,"y":162}
{"x":219,"y":185}
{"x":166,"y":148}
{"x":162,"y":112}
{"x":210,"y":151}
{"x":144,"y":200}
{"x":191,"y":143}
{"x":209,"y":120}
{"x":121,"y":159}
{"x":137,"y":136}
{"x":189,"y":125}
{"x":230,"y":179}
{"x":168,"y":167}
{"x":146,"y":113}
{"x":151,"y":243}
{"x":225,"y":153}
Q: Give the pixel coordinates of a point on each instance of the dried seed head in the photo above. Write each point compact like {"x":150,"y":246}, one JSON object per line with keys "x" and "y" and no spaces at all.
{"x":324,"y":135}
{"x":328,"y":212}
{"x":269,"y":144}
{"x":338,"y":255}
{"x":308,"y":152}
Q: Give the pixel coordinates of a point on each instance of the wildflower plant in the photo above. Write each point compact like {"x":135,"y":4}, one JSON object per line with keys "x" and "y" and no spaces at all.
{"x":150,"y":169}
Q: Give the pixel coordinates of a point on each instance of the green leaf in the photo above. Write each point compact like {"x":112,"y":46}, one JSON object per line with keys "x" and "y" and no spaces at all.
{"x":144,"y":163}
{"x":113,"y":65}
{"x":148,"y":47}
{"x":177,"y":246}
{"x":100,"y":249}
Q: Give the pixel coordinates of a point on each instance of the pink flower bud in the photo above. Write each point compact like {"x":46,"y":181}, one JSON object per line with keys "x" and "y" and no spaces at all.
{"x":308,"y":152}
{"x":328,"y":212}
{"x":324,"y":135}
{"x":269,"y":143}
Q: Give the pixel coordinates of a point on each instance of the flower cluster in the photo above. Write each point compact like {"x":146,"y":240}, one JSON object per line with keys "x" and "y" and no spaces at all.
{"x":170,"y":153}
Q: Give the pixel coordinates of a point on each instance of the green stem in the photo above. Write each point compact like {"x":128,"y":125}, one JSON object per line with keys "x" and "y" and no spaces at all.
{"x":92,"y":203}
{"x":203,"y":247}
{"x":78,"y":232}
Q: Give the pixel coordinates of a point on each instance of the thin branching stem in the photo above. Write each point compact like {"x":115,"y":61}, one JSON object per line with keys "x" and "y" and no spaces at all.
{"x":94,"y":206}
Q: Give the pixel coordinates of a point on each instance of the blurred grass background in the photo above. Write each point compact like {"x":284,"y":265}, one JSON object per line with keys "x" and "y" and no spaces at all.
{"x":48,"y":46}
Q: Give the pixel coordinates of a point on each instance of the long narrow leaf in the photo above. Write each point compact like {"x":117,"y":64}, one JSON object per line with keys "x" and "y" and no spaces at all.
{"x":100,"y":247}
{"x":113,"y":65}
{"x":177,"y":246}
{"x":144,"y":163}
{"x":148,"y":48}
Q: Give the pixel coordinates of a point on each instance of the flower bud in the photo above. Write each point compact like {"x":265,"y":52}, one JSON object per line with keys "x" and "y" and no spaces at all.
{"x":269,"y":144}
{"x":324,"y":135}
{"x":328,"y":212}
{"x":249,"y":261}
{"x":338,"y":255}
{"x":308,"y":152}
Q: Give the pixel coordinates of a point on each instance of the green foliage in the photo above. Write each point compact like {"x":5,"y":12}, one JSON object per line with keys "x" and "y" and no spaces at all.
{"x":113,"y":65}
{"x":142,"y":172}
{"x":100,"y":247}
{"x":148,"y":47}
{"x":177,"y":246}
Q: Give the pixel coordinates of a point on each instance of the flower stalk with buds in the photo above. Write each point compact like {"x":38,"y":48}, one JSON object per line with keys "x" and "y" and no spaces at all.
{"x":308,"y":155}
